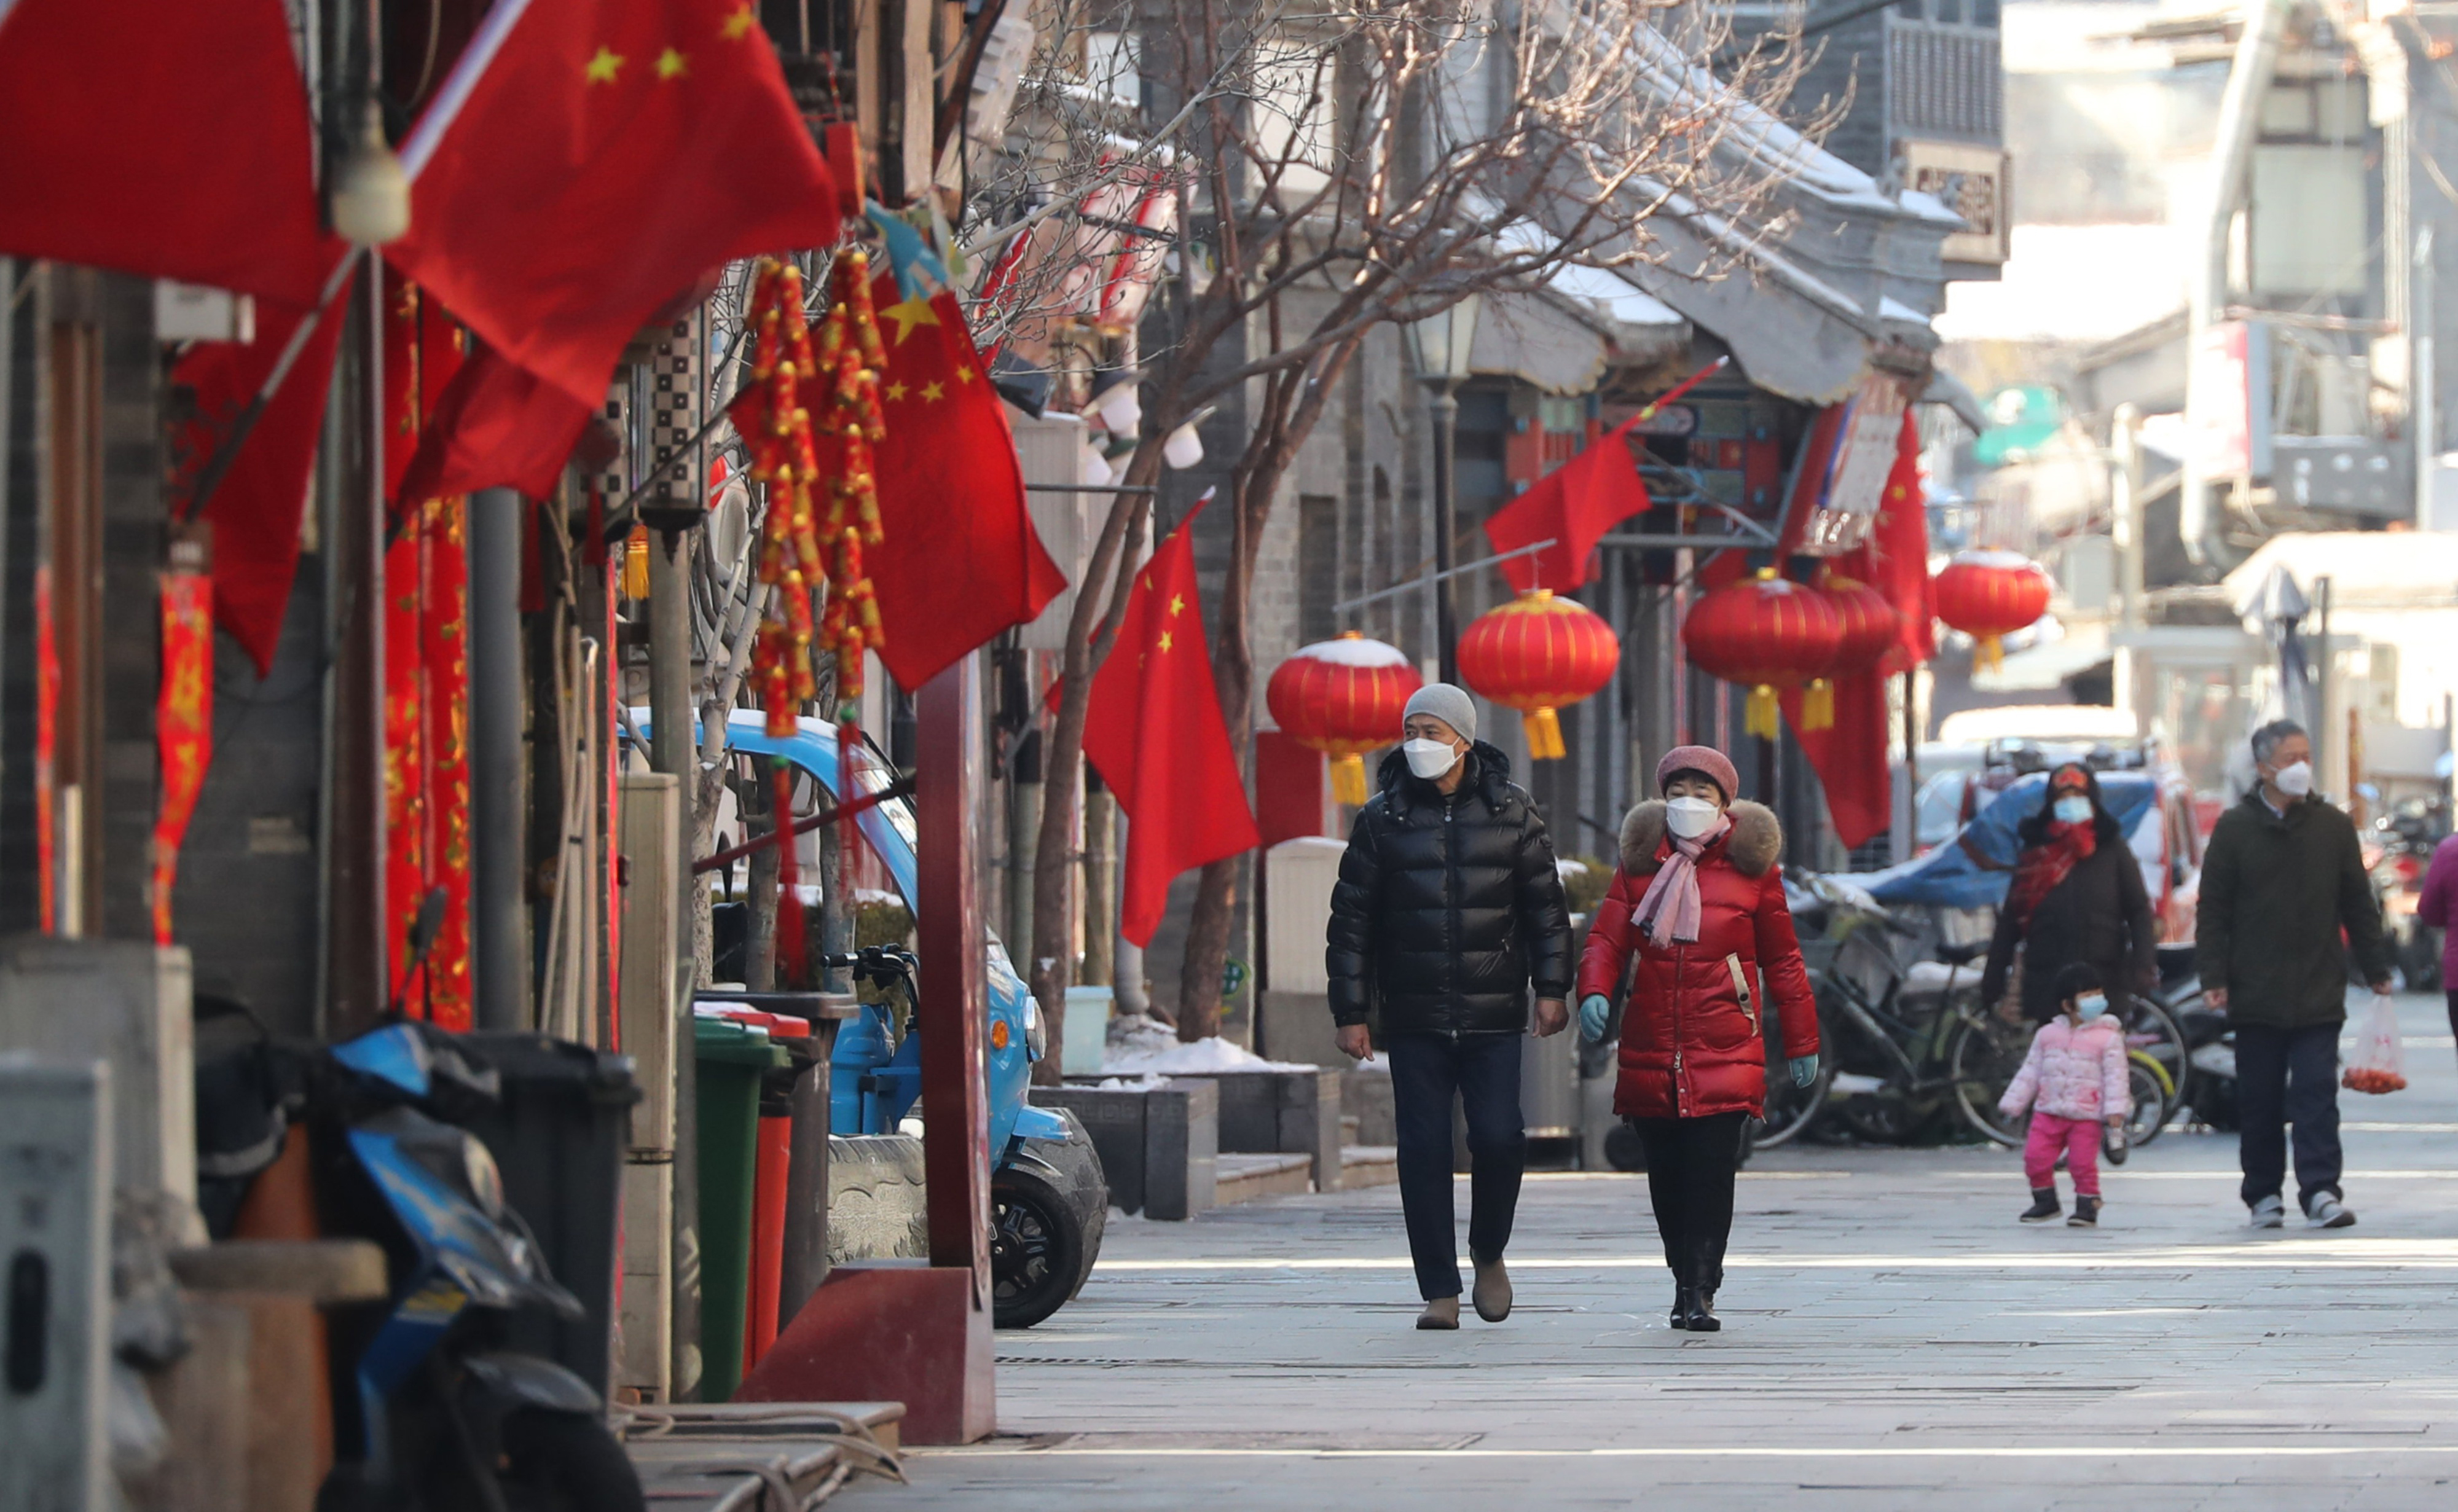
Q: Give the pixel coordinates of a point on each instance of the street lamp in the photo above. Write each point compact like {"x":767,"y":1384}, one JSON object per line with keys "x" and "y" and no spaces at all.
{"x":1439,"y":346}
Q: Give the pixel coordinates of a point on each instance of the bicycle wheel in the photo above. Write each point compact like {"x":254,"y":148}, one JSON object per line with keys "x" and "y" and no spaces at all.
{"x":1986,"y":1055}
{"x":2155,"y":1097}
{"x":1789,"y":1109}
{"x":2150,"y":1030}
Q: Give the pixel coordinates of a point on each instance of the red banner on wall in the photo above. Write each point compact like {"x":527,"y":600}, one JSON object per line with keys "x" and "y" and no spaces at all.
{"x":427,"y":677}
{"x":184,"y":724}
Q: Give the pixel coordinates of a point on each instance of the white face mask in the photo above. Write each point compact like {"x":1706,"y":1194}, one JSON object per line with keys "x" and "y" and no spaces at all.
{"x":2294,"y":781}
{"x":2074,"y":810}
{"x":2091,"y":1005}
{"x":1431,"y":759}
{"x":1690,"y":817}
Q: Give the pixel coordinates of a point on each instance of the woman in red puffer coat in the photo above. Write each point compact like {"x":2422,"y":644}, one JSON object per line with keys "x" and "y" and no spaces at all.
{"x":1699,"y":900}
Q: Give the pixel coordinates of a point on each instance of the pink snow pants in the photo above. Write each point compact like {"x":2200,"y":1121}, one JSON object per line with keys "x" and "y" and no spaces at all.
{"x":2077,"y":1137}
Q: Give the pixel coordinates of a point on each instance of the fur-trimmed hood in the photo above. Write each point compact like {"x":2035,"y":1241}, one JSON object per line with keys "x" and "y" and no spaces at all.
{"x":1753,"y":844}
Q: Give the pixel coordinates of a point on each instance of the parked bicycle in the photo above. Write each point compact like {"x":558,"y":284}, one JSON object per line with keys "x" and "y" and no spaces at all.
{"x":1901,"y":1052}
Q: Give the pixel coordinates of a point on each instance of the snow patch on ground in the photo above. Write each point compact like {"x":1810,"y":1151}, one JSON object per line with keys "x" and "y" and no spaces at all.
{"x":1147,"y":1048}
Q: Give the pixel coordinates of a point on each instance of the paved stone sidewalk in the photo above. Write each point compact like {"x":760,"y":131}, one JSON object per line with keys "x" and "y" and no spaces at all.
{"x":1893,"y":1340}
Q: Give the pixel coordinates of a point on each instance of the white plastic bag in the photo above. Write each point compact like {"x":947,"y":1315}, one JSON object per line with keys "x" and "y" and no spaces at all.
{"x":2379,"y":1063}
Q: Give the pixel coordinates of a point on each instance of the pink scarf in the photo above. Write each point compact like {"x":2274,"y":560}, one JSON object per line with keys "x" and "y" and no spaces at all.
{"x":1676,"y":886}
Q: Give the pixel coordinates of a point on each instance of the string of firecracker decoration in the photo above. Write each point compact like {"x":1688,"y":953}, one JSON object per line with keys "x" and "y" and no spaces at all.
{"x":815,"y":528}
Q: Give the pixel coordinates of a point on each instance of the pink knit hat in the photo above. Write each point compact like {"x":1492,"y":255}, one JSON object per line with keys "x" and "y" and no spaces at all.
{"x":1700,"y":758}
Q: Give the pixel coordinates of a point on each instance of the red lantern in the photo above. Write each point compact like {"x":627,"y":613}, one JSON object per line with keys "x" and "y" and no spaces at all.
{"x":1537,"y":654}
{"x":1342,"y":697}
{"x":1768,"y":633}
{"x":1990,"y":595}
{"x":1870,"y":625}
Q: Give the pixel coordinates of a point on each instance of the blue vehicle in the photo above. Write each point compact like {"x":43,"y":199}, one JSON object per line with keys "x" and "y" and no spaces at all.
{"x":437,"y":1415}
{"x":1048,"y":1199}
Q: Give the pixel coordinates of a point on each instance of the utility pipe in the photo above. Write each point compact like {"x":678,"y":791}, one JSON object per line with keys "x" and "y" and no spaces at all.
{"x":2206,"y":279}
{"x":498,"y":925}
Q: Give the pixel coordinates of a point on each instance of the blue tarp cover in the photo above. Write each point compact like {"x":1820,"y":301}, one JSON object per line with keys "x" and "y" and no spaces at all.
{"x":1949,"y":878}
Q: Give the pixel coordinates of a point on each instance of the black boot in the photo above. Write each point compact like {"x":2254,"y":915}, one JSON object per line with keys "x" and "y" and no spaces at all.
{"x":2086,"y":1214}
{"x":2044,"y":1207}
{"x":1681,"y":1303}
{"x":1703,"y":1317}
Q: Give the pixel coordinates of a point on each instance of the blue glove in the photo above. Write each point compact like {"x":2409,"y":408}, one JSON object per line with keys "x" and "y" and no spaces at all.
{"x":1595,"y":1009}
{"x":1804,"y":1069}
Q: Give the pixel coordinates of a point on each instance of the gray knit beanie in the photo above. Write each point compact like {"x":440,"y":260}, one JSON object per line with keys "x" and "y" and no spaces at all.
{"x":1452,"y":706}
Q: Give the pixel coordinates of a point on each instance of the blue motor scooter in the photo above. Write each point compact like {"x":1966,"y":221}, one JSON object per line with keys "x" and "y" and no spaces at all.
{"x":436,"y":1416}
{"x":1048,"y":1197}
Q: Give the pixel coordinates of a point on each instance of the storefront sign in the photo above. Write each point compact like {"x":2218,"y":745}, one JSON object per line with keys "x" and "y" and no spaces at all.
{"x":2227,"y":400}
{"x":1856,"y":474}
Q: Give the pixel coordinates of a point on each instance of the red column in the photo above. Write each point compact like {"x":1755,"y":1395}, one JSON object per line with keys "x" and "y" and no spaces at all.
{"x":892,"y":1333}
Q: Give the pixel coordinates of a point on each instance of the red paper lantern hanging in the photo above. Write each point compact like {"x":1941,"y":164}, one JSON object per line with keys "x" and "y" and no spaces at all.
{"x":1767,"y":633}
{"x":1344,"y":698}
{"x":1870,"y":625}
{"x":1989,"y":595}
{"x":1536,"y":655}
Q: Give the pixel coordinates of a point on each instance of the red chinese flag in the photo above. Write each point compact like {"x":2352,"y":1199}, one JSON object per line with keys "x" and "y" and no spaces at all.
{"x":958,"y":560}
{"x":1895,"y":561}
{"x":167,"y":140}
{"x":588,"y":161}
{"x":495,"y":424}
{"x":256,"y":507}
{"x":1850,"y":756}
{"x":1154,"y":730}
{"x":1573,"y":506}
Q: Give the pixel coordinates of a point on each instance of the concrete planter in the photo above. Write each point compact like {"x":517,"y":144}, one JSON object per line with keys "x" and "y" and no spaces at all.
{"x":1283,"y":1112}
{"x":1159,"y":1147}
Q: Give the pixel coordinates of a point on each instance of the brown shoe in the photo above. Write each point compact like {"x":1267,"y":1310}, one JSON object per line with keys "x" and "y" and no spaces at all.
{"x":1441,"y":1313}
{"x":1491,"y":1293}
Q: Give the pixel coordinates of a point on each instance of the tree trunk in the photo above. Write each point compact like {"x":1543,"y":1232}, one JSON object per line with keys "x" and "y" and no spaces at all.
{"x":759,"y":912}
{"x":1100,"y":890}
{"x":1233,"y":672}
{"x":1089,"y":630}
{"x":1292,"y":405}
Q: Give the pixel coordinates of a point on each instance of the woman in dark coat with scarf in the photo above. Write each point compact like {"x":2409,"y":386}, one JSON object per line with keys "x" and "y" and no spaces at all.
{"x":1699,"y":901}
{"x":2077,"y":895}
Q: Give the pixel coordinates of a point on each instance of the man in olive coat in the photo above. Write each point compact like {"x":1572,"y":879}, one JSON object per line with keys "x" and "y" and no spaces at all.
{"x":2282,"y":875}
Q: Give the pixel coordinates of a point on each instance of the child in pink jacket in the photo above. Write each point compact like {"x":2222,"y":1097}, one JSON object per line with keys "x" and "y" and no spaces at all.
{"x":2073,"y":1080}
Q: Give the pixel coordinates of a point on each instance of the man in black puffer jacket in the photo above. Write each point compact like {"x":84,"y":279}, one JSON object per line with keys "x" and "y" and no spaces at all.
{"x":1449,"y":908}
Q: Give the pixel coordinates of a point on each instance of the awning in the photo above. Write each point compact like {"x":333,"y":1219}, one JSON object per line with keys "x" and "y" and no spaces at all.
{"x":1945,"y":389}
{"x":1561,"y":338}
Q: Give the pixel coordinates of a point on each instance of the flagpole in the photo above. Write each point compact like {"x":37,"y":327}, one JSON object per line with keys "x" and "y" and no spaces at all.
{"x":218,"y":467}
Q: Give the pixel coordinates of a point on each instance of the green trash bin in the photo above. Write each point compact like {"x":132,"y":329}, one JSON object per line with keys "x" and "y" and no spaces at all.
{"x":732,"y":1059}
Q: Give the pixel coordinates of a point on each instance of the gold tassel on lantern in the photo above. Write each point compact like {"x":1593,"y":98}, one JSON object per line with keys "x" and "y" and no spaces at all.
{"x":1760,"y":717}
{"x":1543,"y":728}
{"x":1348,"y":779}
{"x":1988,"y":655}
{"x":1818,"y":705}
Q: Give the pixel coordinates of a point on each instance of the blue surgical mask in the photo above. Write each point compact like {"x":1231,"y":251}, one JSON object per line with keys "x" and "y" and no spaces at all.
{"x":2074,"y":808}
{"x":2091,"y":1005}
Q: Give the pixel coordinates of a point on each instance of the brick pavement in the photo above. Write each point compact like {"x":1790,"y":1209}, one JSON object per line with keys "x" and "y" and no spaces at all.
{"x":1893,"y":1340}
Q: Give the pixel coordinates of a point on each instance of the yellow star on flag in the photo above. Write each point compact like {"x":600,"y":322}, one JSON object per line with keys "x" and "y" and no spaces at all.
{"x":603,"y":68}
{"x":1164,"y":640}
{"x":739,"y":24}
{"x":933,"y":392}
{"x":1176,"y":605}
{"x":909,"y":313}
{"x":964,"y":374}
{"x":671,"y":64}
{"x":896,"y":391}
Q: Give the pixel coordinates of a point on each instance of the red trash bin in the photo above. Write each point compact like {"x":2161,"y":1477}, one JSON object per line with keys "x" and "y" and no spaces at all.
{"x":767,"y":1277}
